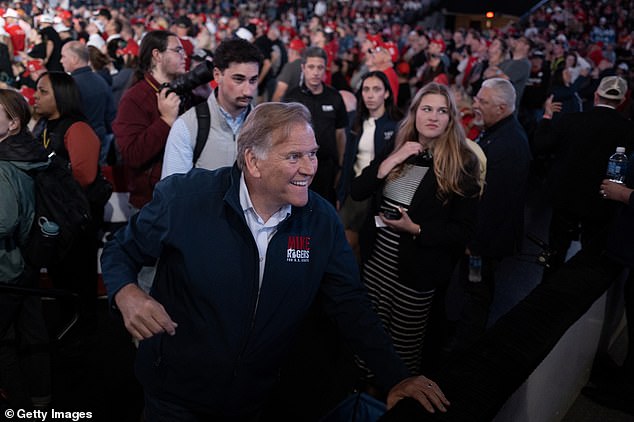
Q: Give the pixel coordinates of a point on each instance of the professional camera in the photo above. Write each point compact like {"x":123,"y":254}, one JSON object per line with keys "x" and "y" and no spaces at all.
{"x":183,"y":84}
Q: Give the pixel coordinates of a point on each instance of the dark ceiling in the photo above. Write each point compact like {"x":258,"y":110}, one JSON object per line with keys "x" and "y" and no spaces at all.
{"x":508,"y":7}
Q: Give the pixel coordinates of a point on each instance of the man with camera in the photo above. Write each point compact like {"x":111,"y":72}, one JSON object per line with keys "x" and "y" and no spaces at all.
{"x":237,"y":65}
{"x":147,"y":112}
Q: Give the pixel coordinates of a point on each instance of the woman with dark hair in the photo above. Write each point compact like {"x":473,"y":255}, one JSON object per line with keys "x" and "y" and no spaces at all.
{"x":565,"y":92}
{"x":21,"y":321}
{"x":373,"y":131}
{"x":426,"y":193}
{"x":62,"y":129}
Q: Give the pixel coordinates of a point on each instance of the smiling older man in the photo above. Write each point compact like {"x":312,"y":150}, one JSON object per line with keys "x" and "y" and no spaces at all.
{"x":244,"y":252}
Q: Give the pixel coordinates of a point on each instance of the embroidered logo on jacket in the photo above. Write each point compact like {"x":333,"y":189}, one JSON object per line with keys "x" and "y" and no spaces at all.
{"x":327,"y":107}
{"x":388,"y":134}
{"x":298,"y":249}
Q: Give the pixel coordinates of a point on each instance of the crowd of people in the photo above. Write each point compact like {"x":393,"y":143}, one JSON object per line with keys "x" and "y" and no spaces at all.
{"x":418,"y":139}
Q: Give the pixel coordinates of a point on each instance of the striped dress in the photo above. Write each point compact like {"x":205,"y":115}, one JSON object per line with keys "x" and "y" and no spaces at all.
{"x":403,"y":310}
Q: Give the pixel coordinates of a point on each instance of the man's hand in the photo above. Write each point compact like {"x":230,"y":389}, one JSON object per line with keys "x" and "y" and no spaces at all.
{"x":615,"y":191}
{"x":168,"y":103}
{"x":142,"y":315}
{"x":551,"y":107}
{"x":422,"y":389}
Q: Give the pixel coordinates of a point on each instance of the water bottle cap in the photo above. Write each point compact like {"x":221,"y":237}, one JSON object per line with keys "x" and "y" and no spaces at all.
{"x":620,"y":150}
{"x":48,"y":227}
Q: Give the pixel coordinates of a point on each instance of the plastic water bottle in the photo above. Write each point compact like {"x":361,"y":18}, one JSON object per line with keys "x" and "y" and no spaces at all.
{"x":475,"y":269}
{"x":617,"y":166}
{"x":49,"y":229}
{"x":42,"y":249}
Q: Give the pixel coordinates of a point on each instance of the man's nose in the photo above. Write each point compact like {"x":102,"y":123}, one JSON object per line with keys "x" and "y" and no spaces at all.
{"x":307,"y":165}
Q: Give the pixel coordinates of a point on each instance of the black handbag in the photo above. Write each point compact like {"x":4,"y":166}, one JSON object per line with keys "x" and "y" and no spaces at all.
{"x":99,"y":191}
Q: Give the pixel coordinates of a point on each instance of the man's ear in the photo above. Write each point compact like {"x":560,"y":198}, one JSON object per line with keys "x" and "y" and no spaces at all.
{"x":156,"y":55}
{"x":251,"y":163}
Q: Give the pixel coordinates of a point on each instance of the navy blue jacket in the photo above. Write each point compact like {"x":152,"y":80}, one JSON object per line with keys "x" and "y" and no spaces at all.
{"x":96,"y":99}
{"x":232,"y":337}
{"x":500,"y":226}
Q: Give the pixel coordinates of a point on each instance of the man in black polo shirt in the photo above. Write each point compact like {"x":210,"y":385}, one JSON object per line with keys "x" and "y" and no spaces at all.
{"x":329,"y":116}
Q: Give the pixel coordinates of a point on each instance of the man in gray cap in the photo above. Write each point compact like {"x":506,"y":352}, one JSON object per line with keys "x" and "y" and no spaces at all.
{"x":581,"y":144}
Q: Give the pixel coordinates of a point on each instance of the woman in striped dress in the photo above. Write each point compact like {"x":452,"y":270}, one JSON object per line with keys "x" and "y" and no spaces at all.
{"x":425,"y":195}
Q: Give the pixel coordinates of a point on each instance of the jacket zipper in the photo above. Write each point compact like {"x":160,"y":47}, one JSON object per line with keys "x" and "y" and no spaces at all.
{"x":253,"y":314}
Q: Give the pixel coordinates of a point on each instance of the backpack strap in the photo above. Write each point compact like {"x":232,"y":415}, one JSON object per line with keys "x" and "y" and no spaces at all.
{"x":204,"y":123}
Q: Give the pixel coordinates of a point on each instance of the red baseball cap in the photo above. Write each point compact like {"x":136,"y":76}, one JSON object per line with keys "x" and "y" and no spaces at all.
{"x":65,"y":14}
{"x":392,"y":48}
{"x":297,"y":45}
{"x":439,"y":42}
{"x":131,"y":48}
{"x":376,"y":40}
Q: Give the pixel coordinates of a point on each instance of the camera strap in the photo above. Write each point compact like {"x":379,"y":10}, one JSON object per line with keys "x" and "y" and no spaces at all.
{"x":204,"y":124}
{"x":149,"y":82}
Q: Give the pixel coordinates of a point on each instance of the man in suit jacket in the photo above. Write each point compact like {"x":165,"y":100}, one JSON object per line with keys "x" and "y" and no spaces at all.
{"x":499,"y":230}
{"x":96,"y":95}
{"x":582,"y":144}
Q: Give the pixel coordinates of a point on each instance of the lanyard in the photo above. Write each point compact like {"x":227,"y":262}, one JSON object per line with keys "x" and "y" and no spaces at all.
{"x":45,"y":139}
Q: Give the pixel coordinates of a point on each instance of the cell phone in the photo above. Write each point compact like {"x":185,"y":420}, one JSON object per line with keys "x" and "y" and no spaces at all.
{"x":391,"y":213}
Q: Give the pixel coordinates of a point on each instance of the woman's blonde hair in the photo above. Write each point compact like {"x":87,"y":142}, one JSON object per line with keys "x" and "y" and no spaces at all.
{"x":455,"y":165}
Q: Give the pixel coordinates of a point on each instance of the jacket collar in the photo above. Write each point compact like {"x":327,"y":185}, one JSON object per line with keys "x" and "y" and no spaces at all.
{"x":80,"y":70}
{"x":22,"y":147}
{"x":499,"y":124}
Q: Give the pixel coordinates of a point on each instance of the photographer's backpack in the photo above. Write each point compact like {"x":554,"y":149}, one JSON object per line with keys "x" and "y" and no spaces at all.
{"x":204,"y":124}
{"x":59,"y":199}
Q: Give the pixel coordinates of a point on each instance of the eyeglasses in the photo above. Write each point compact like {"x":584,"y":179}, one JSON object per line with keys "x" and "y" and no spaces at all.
{"x":375,"y":50}
{"x":177,"y":50}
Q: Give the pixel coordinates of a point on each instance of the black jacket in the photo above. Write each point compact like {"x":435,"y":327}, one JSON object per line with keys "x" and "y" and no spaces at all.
{"x":582,"y":144}
{"x":425,"y":261}
{"x":22,"y":147}
{"x":620,"y":245}
{"x":384,"y":133}
{"x":500,"y":227}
